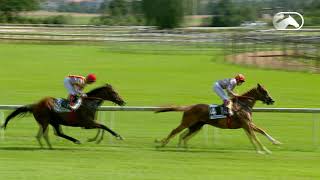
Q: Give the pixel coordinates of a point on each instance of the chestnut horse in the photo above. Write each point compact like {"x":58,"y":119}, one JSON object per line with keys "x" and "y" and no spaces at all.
{"x":195,"y":116}
{"x":84,"y":116}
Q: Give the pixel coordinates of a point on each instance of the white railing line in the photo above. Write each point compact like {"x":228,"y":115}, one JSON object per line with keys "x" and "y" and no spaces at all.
{"x":154,"y":108}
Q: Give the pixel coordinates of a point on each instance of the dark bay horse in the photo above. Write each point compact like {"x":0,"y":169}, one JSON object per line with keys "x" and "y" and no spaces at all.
{"x":84,"y":116}
{"x":195,"y":116}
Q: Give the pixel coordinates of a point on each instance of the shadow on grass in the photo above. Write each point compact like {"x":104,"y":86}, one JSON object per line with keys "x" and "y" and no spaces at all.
{"x":195,"y":150}
{"x":34,"y":149}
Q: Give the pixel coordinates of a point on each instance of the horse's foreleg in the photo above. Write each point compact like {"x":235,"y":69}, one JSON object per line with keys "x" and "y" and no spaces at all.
{"x":101,"y":138}
{"x":252,"y":142}
{"x":101,"y":126}
{"x":58,"y":132}
{"x":256,"y":142}
{"x":261,"y":131}
{"x":260,"y":144}
{"x":95,"y":138}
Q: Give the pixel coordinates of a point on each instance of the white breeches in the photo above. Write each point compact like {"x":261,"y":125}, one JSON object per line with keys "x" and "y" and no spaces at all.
{"x":220,"y":92}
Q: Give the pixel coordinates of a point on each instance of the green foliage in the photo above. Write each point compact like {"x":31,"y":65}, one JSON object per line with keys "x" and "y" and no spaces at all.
{"x":9,"y":9}
{"x":118,"y":8}
{"x":312,"y":14}
{"x":129,"y":20}
{"x":227,"y":13}
{"x":120,"y":12}
{"x":163,"y":13}
{"x":60,"y":19}
{"x":18,"y":5}
{"x":80,"y":7}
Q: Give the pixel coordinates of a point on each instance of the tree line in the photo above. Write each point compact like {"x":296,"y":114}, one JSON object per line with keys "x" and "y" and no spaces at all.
{"x":167,"y":13}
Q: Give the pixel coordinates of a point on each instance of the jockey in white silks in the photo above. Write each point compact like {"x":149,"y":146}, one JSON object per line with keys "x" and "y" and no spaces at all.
{"x":228,"y":85}
{"x":75,"y":84}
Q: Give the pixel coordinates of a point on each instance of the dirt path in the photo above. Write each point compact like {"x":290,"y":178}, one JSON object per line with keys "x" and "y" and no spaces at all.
{"x":288,"y":60}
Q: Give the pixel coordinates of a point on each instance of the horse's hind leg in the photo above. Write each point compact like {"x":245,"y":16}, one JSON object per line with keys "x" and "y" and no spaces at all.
{"x":172,"y":134}
{"x":46,"y":137}
{"x":39,"y":135}
{"x":261,"y":131}
{"x":43,"y":132}
{"x":182,"y":135}
{"x":58,"y":132}
{"x":192,"y":131}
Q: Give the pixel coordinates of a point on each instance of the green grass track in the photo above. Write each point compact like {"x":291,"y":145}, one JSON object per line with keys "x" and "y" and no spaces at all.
{"x":29,"y":72}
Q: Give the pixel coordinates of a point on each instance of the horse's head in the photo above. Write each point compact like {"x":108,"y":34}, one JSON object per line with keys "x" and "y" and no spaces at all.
{"x":263,"y":95}
{"x":107,"y":93}
{"x":292,"y":22}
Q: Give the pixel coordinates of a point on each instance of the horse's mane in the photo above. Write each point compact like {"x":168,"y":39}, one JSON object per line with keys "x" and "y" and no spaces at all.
{"x":251,"y":91}
{"x":246,"y":95}
{"x":96,"y":90}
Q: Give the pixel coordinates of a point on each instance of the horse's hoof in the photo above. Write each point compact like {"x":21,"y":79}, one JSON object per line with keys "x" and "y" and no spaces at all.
{"x":120,"y":138}
{"x":77,"y":142}
{"x":90,"y":140}
{"x":158,"y":141}
{"x":277,"y":143}
{"x":160,"y":145}
{"x":261,"y":152}
{"x":182,"y":146}
{"x":268,"y":152}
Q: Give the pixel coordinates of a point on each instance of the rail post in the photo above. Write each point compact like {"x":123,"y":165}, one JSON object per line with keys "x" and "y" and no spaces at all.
{"x":2,"y":136}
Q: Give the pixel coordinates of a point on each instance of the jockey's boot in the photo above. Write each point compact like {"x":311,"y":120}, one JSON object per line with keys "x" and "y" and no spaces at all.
{"x":74,"y":102}
{"x":228,"y":105}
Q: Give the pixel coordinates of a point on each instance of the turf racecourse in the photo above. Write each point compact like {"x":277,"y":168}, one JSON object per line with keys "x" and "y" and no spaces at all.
{"x":31,"y":71}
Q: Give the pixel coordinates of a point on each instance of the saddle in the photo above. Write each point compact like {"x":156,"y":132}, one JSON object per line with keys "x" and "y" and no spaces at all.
{"x":217,"y":111}
{"x":61,"y":105}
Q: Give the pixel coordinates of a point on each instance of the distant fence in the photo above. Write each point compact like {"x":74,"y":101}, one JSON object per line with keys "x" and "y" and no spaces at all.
{"x":260,"y":47}
{"x":296,"y":51}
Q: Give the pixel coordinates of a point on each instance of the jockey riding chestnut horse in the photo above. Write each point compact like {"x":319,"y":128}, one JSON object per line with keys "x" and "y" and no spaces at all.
{"x":197,"y":115}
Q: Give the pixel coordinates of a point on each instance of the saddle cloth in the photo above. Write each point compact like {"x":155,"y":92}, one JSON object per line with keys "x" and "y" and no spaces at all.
{"x":217,"y":111}
{"x":61,"y":105}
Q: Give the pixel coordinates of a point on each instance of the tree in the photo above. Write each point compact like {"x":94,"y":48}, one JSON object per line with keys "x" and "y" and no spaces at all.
{"x":163,"y":13}
{"x":227,"y":13}
{"x":120,"y":12}
{"x":9,"y":9}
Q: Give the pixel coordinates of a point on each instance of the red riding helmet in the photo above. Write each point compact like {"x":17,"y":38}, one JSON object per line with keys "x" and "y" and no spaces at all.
{"x":240,"y":78}
{"x":91,"y":78}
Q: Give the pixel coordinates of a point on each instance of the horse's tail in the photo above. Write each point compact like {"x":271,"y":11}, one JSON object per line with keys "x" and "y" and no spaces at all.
{"x":19,"y":111}
{"x":173,"y":108}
